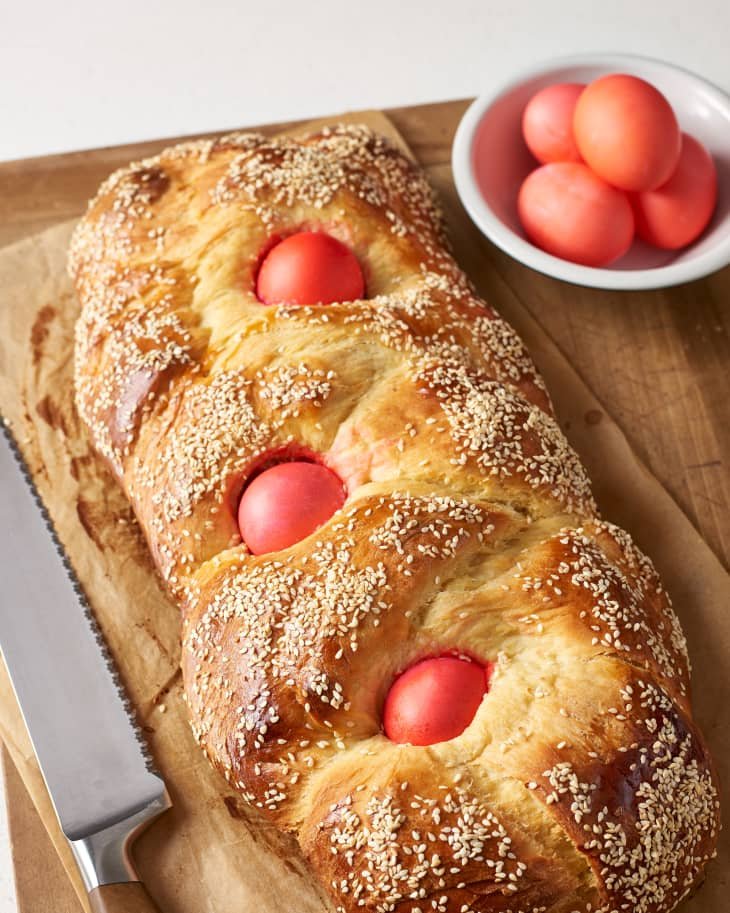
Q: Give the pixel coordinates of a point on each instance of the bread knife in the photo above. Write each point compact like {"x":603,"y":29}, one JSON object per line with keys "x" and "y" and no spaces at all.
{"x":93,"y":757}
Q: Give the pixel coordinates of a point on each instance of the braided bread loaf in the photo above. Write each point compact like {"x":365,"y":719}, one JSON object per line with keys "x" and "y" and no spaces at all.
{"x":582,"y":783}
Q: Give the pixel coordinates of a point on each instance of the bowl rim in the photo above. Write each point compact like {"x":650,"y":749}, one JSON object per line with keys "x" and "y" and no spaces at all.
{"x":527,"y":253}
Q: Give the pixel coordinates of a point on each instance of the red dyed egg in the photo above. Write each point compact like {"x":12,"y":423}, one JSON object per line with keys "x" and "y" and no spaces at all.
{"x":571,"y":213}
{"x":547,"y":123}
{"x":287,"y":503}
{"x":676,"y":213}
{"x":310,"y":267}
{"x":627,"y":132}
{"x":435,"y":700}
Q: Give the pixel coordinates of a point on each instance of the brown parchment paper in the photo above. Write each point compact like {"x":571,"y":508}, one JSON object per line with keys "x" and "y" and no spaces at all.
{"x":211,"y":853}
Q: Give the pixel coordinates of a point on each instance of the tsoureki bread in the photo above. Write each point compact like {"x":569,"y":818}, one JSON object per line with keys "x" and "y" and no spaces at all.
{"x":468,"y":531}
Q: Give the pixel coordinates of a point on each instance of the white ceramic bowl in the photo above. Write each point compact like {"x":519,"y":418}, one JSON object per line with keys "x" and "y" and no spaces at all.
{"x":490,"y":160}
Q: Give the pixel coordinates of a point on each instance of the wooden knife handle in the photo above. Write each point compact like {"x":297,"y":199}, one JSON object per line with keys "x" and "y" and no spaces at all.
{"x":125,"y":897}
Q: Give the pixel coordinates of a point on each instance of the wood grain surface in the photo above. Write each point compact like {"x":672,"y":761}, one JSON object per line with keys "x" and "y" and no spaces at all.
{"x":130,"y":897}
{"x":657,"y":361}
{"x":41,"y":884}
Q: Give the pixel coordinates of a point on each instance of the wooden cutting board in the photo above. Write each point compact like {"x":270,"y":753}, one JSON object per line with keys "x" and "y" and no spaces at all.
{"x":658,"y":362}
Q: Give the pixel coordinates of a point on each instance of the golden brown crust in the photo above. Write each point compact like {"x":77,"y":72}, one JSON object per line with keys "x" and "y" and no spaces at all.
{"x":582,"y":783}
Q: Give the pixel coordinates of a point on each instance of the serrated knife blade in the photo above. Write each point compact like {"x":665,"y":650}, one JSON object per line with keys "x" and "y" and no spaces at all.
{"x":91,"y":753}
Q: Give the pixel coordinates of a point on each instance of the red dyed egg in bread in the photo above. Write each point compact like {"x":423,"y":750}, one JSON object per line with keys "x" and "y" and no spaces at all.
{"x":287,"y":503}
{"x":676,"y":213}
{"x":627,"y":132}
{"x":310,"y":267}
{"x":547,"y":123}
{"x":434,"y":700}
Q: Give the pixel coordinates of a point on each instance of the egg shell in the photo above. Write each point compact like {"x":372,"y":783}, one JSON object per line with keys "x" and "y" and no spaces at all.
{"x":309,"y":267}
{"x":627,"y":132}
{"x":675,"y":214}
{"x":287,"y":503}
{"x":547,"y":123}
{"x":434,"y":700}
{"x":570,"y":212}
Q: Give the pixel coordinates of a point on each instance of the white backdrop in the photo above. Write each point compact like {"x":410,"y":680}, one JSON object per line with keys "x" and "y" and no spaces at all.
{"x":81,"y":73}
